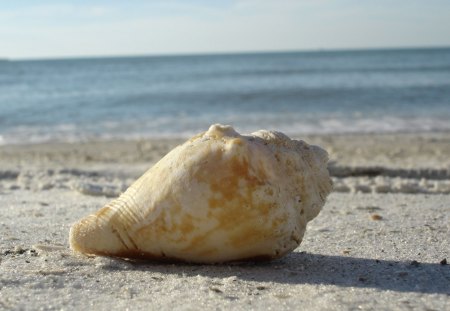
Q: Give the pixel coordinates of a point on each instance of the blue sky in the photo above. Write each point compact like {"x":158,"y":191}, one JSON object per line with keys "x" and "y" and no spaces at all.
{"x":36,"y":29}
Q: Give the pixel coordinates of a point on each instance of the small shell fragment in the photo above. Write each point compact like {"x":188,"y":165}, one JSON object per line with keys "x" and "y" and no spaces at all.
{"x":219,"y":197}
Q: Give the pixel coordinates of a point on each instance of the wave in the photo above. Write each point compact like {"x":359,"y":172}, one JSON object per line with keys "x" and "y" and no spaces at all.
{"x":183,"y":126}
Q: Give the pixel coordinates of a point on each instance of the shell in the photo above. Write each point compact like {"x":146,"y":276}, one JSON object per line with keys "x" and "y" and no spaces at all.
{"x":219,"y":197}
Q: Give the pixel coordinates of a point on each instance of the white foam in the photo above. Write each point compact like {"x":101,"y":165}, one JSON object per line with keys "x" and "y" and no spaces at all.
{"x":183,"y":127}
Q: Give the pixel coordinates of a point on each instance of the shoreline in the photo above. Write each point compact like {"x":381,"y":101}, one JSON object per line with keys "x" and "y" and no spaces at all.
{"x":174,"y":137}
{"x":397,"y":163}
{"x":333,"y":143}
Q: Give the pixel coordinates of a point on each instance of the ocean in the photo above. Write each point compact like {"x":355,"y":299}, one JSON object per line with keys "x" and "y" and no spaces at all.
{"x":322,"y":92}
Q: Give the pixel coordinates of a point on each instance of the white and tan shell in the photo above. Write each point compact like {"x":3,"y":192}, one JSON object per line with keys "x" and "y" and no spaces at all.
{"x":219,"y":197}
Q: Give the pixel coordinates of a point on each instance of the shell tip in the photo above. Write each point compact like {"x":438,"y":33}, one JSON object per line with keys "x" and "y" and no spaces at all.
{"x":219,"y":131}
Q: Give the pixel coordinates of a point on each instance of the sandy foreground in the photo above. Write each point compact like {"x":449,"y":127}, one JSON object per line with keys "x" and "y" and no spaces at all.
{"x":381,"y":241}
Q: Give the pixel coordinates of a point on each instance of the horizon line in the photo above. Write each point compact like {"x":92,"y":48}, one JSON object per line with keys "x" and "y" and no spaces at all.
{"x":225,"y":53}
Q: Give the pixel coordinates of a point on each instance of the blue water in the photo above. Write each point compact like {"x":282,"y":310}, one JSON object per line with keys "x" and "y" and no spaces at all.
{"x":298,"y":93}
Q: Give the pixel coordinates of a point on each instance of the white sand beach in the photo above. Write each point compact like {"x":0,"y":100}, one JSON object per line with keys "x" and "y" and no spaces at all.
{"x":381,"y":241}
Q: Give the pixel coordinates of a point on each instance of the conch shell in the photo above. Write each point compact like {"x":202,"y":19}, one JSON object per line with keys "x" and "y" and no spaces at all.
{"x":219,"y":197}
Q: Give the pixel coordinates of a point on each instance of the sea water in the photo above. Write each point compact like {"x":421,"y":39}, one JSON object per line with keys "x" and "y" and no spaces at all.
{"x":372,"y":91}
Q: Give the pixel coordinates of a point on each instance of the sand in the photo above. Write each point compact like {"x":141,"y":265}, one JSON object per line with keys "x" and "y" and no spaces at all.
{"x":380,"y":242}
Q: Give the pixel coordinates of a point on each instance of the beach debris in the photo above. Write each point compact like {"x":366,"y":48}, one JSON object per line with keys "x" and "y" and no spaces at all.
{"x":17,"y":250}
{"x":261,"y":287}
{"x":92,"y":189}
{"x":7,"y":174}
{"x":376,"y":217}
{"x":383,"y":184}
{"x":219,"y":197}
{"x":216,"y":290}
{"x":383,"y":171}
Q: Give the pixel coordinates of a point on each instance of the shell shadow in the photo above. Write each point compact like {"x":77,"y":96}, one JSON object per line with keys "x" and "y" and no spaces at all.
{"x":317,"y":269}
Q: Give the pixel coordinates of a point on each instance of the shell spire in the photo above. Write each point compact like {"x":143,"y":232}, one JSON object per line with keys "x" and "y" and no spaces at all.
{"x":219,"y":197}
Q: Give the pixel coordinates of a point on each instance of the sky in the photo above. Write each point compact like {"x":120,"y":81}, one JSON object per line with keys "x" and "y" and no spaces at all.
{"x":54,"y":29}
